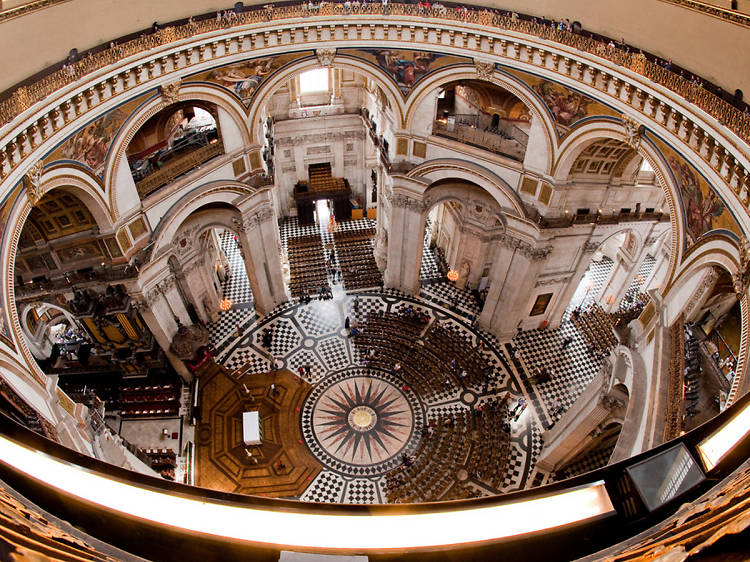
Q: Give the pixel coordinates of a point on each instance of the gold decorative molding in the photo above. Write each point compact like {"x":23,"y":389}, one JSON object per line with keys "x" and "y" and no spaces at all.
{"x":27,"y":8}
{"x":713,"y":11}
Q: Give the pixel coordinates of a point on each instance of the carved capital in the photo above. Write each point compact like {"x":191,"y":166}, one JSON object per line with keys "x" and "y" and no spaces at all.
{"x":590,"y":247}
{"x":484,"y":69}
{"x":325,"y":56}
{"x":170,"y":93}
{"x":257,"y":218}
{"x":33,"y":182}
{"x":524,"y":248}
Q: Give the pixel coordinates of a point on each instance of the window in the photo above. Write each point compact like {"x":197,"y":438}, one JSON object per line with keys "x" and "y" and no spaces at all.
{"x":313,"y":81}
{"x":645,"y":166}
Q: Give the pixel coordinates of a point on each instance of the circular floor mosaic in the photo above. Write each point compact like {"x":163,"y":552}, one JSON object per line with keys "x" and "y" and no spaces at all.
{"x":360,"y":421}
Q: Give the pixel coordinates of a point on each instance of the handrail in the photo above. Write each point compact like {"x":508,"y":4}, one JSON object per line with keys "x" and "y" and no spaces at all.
{"x":178,"y":166}
{"x":487,"y":140}
{"x":25,"y":96}
{"x":54,"y":476}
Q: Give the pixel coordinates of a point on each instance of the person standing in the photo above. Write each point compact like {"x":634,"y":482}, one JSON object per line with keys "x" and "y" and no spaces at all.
{"x":271,"y":362}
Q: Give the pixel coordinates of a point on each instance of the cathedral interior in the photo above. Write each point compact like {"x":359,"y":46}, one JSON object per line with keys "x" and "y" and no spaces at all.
{"x":378,"y":281}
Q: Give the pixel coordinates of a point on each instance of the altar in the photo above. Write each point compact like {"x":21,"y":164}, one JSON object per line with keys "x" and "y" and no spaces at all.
{"x":252,"y":430}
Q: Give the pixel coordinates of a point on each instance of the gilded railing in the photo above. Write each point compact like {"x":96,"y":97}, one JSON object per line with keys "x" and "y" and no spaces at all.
{"x":715,"y":11}
{"x":27,"y":8}
{"x":25,"y":96}
{"x":482,"y":139}
{"x":178,"y":166}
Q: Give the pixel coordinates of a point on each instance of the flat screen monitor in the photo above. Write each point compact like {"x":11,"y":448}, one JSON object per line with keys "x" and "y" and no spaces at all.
{"x":665,"y":476}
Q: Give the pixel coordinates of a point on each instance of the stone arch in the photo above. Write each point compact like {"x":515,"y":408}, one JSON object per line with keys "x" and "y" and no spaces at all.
{"x":591,"y":131}
{"x":690,"y":282}
{"x":451,"y":168}
{"x":506,"y":81}
{"x":230,"y":192}
{"x":371,"y":71}
{"x":201,"y":92}
{"x":24,"y":319}
{"x":79,"y":182}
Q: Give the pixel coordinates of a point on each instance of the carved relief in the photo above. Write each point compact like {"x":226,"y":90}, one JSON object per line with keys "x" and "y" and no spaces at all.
{"x":741,"y":279}
{"x":406,"y":202}
{"x":170,"y":93}
{"x":632,"y":132}
{"x":325,"y":56}
{"x":33,"y":182}
{"x":484,"y":69}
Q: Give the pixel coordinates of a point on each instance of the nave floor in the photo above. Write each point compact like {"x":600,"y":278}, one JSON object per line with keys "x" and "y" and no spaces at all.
{"x":314,"y":334}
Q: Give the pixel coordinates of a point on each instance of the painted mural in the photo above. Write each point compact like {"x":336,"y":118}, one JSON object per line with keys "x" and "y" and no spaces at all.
{"x":566,"y":106}
{"x":89,"y":146}
{"x":703,"y":209}
{"x":405,"y":67}
{"x":244,"y":78}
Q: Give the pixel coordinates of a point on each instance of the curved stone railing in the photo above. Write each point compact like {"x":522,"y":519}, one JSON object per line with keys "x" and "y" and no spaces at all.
{"x":715,"y":11}
{"x":25,"y":96}
{"x":102,"y":76}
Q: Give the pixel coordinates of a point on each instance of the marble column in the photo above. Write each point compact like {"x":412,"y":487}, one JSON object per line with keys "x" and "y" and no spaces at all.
{"x":618,"y":282}
{"x":405,"y":244}
{"x":159,"y":318}
{"x":516,"y":266}
{"x":261,"y":252}
{"x":564,"y":298}
{"x":582,"y":423}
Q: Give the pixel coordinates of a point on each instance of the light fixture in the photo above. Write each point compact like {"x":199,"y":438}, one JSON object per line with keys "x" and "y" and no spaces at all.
{"x":225,"y":304}
{"x":313,"y":529}
{"x":453,"y":275}
{"x":714,"y":448}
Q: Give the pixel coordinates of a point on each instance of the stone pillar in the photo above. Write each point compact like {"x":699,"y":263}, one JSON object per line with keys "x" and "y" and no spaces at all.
{"x":599,"y":404}
{"x":514,"y":271}
{"x":173,"y":296}
{"x":158,"y":316}
{"x":563,"y":300}
{"x":536,"y":150}
{"x":660,"y":268}
{"x":200,"y":287}
{"x":261,"y":252}
{"x":405,"y":242}
{"x":618,"y":282}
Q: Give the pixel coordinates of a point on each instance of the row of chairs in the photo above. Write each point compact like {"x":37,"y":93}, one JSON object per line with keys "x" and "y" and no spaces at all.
{"x":469,"y":444}
{"x":692,"y":375}
{"x":306,"y":264}
{"x":356,"y":260}
{"x":596,"y":326}
{"x":467,"y":358}
{"x":394,"y":339}
{"x":434,"y":469}
{"x":139,"y":411}
{"x":673,"y":412}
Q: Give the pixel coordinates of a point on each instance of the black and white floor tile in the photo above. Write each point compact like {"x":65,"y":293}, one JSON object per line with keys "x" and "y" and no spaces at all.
{"x":636,"y":286}
{"x":314,"y":335}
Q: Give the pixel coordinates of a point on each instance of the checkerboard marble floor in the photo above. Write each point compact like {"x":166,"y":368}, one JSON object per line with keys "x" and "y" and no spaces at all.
{"x":636,"y":286}
{"x":314,"y":334}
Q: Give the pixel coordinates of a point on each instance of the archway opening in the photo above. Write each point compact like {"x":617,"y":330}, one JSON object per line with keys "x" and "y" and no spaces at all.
{"x":483,"y":115}
{"x":710,"y":351}
{"x":173,"y":142}
{"x":460,"y":233}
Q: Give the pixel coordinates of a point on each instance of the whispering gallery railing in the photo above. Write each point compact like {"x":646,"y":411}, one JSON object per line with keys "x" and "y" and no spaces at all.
{"x":25,"y":96}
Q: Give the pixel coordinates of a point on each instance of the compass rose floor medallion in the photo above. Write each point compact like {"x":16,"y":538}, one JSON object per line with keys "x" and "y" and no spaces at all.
{"x":360,"y":422}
